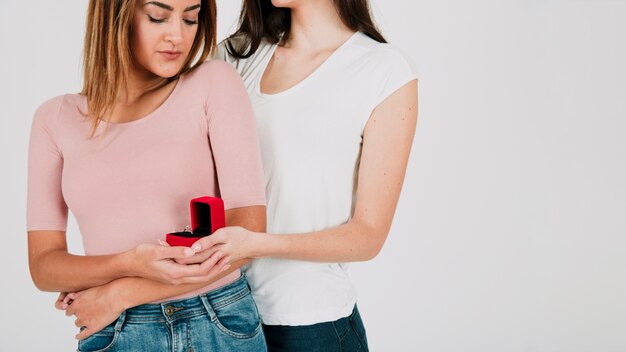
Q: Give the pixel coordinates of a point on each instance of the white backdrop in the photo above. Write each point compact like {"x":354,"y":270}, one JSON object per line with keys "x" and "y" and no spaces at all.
{"x":511,"y":230}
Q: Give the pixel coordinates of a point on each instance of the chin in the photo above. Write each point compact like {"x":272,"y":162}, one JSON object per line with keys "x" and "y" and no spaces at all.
{"x":284,"y":3}
{"x":167,"y":72}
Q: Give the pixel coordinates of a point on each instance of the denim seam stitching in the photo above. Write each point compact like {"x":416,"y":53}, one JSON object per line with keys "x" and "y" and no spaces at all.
{"x":194,"y":313}
{"x":147,"y":320}
{"x":189,"y":342}
{"x":343,"y":335}
{"x":231,"y":299}
{"x":338,"y":337}
{"x":223,"y":329}
{"x":359,"y":338}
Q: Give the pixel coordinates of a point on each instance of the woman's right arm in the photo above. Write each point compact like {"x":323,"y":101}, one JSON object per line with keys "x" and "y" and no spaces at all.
{"x":52,"y":268}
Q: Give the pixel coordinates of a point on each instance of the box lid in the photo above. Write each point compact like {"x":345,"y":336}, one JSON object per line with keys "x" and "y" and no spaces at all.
{"x":207,"y":215}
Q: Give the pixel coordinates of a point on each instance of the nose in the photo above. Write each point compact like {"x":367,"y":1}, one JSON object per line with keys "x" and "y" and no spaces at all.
{"x":174,"y":33}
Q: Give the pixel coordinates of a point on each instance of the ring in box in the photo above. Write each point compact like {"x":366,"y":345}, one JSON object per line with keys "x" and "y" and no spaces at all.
{"x":207,"y":215}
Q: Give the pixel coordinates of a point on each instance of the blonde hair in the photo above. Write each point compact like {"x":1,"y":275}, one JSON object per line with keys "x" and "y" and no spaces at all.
{"x":107,"y":59}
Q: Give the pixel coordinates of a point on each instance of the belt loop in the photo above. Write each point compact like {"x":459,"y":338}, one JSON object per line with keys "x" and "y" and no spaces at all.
{"x":208,"y":307}
{"x":120,"y":321}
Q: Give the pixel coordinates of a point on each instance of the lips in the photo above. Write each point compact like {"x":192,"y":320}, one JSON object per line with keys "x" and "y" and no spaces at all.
{"x":170,"y":54}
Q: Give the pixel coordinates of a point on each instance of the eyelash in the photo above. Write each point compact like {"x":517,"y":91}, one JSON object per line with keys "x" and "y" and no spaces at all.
{"x":159,"y":20}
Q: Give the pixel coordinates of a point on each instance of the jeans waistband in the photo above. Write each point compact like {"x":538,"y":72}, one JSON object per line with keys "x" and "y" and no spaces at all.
{"x":189,"y":307}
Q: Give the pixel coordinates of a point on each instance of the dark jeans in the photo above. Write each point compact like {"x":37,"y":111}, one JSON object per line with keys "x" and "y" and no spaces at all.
{"x":342,"y":335}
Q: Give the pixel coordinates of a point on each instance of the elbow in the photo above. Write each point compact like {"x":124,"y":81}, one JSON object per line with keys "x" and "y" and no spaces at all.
{"x":375,"y":241}
{"x":39,"y":282}
{"x":369,"y":234}
{"x":43,"y":287}
{"x":39,"y":278}
{"x":372,"y":250}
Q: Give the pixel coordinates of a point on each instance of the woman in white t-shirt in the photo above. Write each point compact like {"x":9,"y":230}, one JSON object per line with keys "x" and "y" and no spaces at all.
{"x":336,"y":110}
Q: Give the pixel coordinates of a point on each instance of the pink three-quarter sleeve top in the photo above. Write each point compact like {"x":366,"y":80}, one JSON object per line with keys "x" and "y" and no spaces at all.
{"x":132,"y":183}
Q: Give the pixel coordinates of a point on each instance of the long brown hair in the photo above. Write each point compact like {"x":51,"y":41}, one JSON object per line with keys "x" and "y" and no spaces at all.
{"x":259,"y":20}
{"x":107,"y":60}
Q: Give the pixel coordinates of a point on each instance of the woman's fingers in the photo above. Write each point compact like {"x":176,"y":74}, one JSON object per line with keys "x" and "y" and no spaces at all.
{"x":171,"y":265}
{"x":67,"y":300}
{"x":224,"y":263}
{"x":60,"y":303}
{"x":70,"y":310}
{"x":200,"y":257}
{"x":178,"y":252}
{"x":85,"y":333}
{"x":218,"y":237}
{"x":211,"y":267}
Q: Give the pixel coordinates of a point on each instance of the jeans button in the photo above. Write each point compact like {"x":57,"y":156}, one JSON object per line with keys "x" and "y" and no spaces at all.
{"x":169,"y":310}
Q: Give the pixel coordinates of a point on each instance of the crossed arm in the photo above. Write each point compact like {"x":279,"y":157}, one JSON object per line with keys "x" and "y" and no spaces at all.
{"x":52,"y":268}
{"x":104,"y":286}
{"x":133,"y":291}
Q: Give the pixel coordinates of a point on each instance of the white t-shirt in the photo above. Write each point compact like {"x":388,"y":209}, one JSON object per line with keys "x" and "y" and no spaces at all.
{"x":310,"y":137}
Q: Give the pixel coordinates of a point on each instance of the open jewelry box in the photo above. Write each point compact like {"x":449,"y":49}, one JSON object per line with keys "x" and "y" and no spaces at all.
{"x":207,"y":215}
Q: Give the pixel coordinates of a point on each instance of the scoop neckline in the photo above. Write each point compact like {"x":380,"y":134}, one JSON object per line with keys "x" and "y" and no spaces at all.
{"x":303,"y":81}
{"x":151,"y":114}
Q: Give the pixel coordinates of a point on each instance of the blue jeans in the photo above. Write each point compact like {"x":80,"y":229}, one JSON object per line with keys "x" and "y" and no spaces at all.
{"x":342,"y":335}
{"x":225,"y":319}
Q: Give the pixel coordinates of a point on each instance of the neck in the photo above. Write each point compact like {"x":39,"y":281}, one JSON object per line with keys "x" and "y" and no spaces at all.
{"x":139,"y":84}
{"x":316,"y":25}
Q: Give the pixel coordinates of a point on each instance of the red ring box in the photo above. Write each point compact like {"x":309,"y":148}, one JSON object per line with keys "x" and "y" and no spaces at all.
{"x":207,"y":215}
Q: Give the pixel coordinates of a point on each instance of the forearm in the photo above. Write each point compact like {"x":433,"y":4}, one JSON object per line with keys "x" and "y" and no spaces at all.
{"x":59,"y":271}
{"x":352,"y":242}
{"x":134,"y":291}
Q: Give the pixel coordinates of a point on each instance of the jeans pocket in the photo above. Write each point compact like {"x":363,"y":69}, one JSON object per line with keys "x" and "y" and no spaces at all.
{"x":239,"y":318}
{"x":101,"y":341}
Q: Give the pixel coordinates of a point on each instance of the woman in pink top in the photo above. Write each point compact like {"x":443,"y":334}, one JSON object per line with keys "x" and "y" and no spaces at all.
{"x":154,"y":126}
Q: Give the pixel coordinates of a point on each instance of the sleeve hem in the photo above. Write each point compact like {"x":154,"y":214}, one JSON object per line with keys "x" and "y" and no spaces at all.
{"x":46,"y":227}
{"x":244,"y":202}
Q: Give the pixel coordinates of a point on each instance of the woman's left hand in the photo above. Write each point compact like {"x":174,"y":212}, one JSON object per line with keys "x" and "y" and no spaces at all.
{"x":94,"y":309}
{"x":234,"y":242}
